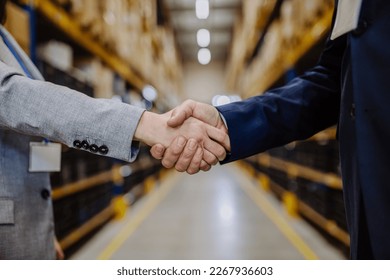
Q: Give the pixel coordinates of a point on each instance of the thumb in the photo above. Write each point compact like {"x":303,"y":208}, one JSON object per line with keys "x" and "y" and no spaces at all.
{"x":180,"y":114}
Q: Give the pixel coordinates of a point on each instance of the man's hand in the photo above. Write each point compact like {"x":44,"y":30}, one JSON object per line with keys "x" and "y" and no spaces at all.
{"x":180,"y":155}
{"x":173,"y":155}
{"x":201,"y":111}
{"x":207,"y":144}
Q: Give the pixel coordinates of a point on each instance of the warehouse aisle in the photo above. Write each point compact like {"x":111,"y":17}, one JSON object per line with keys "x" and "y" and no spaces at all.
{"x":221,"y":214}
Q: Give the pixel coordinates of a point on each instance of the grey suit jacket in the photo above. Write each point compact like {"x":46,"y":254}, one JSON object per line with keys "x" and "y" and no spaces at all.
{"x":31,"y":108}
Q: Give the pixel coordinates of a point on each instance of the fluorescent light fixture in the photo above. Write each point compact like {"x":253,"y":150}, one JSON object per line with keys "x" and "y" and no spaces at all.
{"x":149,"y":93}
{"x":204,"y":56}
{"x":203,"y":38}
{"x":125,"y":171}
{"x":109,"y":17}
{"x":202,"y":9}
{"x":219,"y":100}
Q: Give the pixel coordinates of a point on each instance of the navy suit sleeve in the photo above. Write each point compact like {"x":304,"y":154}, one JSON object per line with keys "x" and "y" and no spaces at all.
{"x":306,"y":105}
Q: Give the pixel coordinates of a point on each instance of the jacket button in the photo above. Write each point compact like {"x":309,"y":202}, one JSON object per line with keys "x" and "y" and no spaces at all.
{"x":94,"y":148}
{"x":103,"y":150}
{"x":77,"y":144}
{"x":45,"y":194}
{"x":361,"y":28}
{"x":85,"y":145}
{"x":352,"y":112}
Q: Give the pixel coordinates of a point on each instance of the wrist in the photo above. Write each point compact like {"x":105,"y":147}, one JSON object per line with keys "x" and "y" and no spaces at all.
{"x":143,"y":131}
{"x":150,"y":129}
{"x":222,"y":123}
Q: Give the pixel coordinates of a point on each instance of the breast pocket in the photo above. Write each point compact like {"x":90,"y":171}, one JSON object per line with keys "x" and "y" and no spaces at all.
{"x":6,"y":212}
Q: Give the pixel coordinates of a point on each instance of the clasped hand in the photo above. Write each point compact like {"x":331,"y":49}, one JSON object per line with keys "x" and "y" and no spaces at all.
{"x":191,"y":137}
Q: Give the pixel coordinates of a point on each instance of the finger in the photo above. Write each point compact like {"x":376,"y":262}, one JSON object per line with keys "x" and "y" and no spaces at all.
{"x":216,"y":149}
{"x":181,"y":113}
{"x":209,"y":157}
{"x":157,"y":151}
{"x":186,"y":156}
{"x":219,"y":136}
{"x":195,"y":164}
{"x":204,"y":166}
{"x":59,"y":252}
{"x":173,"y":152}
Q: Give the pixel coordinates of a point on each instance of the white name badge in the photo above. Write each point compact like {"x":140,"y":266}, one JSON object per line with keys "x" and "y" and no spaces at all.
{"x":347,"y":17}
{"x":45,"y":157}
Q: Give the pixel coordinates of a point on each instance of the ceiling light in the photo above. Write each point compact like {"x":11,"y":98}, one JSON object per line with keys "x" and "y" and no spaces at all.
{"x":149,"y":93}
{"x":203,"y":38}
{"x":219,"y":100}
{"x":204,"y":56}
{"x":202,"y":9}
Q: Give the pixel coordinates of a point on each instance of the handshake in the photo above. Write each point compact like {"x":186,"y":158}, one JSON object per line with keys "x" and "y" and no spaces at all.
{"x":191,"y":137}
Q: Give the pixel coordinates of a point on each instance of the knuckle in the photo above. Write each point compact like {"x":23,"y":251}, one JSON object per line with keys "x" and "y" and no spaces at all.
{"x":176,"y":151}
{"x":155,"y":154}
{"x":167,"y":163}
{"x":187,"y":155}
{"x":222,"y":154}
{"x":192,"y":171}
{"x":180,"y":168}
{"x":196,"y":161}
{"x":189,"y":101}
{"x":206,"y":168}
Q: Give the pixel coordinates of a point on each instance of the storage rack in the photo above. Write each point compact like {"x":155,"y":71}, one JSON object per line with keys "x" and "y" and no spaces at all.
{"x":288,"y":35}
{"x":64,"y":22}
{"x":166,"y":67}
{"x":89,"y":214}
{"x":313,"y":192}
{"x":259,"y":167}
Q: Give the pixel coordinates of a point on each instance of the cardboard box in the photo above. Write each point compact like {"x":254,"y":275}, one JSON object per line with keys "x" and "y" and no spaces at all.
{"x":57,"y":54}
{"x":99,"y":75}
{"x":18,"y":25}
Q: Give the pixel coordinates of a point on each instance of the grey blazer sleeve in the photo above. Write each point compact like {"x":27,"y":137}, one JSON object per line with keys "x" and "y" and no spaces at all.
{"x":63,"y":115}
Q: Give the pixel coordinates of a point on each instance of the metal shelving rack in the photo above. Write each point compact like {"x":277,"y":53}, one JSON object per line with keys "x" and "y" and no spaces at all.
{"x":116,"y":208}
{"x":294,"y":206}
{"x":65,"y":23}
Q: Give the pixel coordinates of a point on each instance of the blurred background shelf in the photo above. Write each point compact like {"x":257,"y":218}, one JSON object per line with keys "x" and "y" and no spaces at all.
{"x":319,"y":203}
{"x":294,"y":170}
{"x":292,"y":29}
{"x":130,"y":39}
{"x":68,"y":25}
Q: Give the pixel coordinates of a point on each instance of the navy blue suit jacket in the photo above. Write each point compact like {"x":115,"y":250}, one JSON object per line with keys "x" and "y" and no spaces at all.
{"x":350,"y":86}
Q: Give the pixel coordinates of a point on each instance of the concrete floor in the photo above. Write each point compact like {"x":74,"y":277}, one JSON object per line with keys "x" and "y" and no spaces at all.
{"x":221,"y":214}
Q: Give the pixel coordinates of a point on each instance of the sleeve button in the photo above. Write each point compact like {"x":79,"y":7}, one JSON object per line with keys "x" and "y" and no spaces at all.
{"x":45,"y":194}
{"x":85,"y":145}
{"x":94,"y":148}
{"x":103,"y":150}
{"x":77,"y":144}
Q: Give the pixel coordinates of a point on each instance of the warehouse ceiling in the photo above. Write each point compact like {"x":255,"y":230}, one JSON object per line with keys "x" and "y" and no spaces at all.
{"x":222,"y":16}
